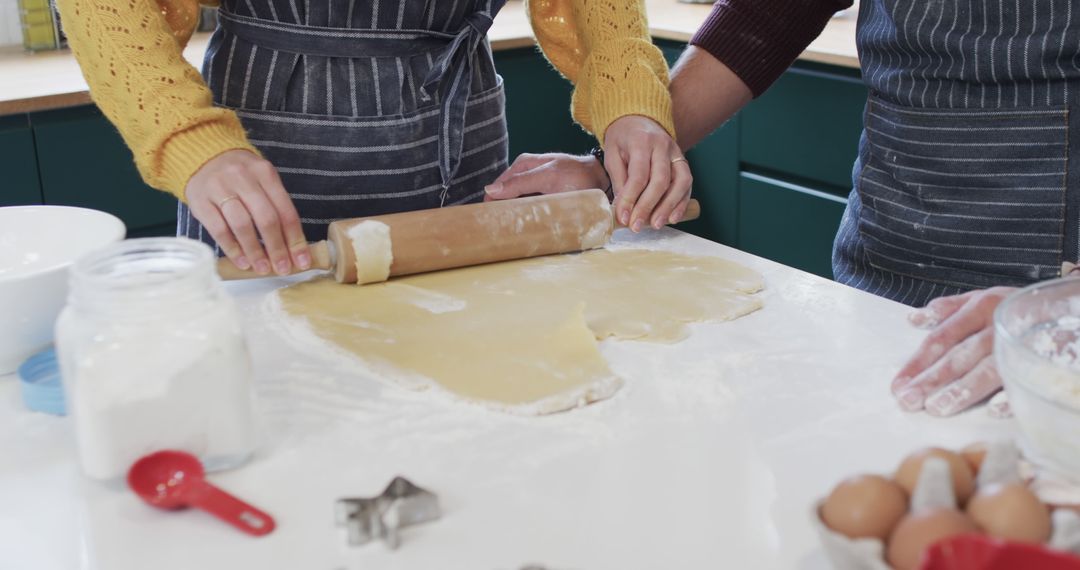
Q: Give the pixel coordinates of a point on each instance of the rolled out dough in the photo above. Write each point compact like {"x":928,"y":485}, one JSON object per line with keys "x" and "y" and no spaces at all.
{"x":522,"y":335}
{"x":374,"y":252}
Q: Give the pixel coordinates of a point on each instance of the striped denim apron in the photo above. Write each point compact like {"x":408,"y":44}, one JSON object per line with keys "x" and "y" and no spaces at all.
{"x":365,"y":107}
{"x":969,"y":163}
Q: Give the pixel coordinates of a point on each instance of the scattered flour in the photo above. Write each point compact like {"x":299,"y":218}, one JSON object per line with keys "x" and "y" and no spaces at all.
{"x":436,"y":303}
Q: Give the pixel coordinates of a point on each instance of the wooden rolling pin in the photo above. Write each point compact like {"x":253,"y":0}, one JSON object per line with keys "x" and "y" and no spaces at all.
{"x":473,"y":234}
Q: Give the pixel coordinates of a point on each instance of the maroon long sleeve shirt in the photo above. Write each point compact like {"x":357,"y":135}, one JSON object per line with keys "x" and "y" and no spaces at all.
{"x":759,"y":39}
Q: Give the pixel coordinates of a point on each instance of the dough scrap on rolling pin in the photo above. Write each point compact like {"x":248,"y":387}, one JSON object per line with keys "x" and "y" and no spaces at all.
{"x":523,"y":334}
{"x":374,"y":251}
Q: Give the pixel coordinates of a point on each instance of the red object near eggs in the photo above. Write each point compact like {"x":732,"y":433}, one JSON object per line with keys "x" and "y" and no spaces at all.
{"x":974,"y":552}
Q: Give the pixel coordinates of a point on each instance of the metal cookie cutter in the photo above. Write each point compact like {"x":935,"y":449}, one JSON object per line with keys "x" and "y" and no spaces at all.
{"x":402,"y":504}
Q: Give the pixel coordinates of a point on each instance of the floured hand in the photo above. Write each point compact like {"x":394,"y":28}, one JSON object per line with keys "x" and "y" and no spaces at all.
{"x":953,"y":369}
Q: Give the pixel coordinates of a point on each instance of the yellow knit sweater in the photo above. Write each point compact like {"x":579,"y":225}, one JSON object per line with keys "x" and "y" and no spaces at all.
{"x":604,"y":48}
{"x":130,"y":52}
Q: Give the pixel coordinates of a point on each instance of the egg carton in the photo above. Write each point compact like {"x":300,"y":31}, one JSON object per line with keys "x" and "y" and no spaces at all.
{"x":934,"y":489}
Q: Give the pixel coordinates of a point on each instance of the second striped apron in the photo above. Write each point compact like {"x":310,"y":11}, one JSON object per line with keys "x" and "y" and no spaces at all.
{"x":969,"y":166}
{"x":365,"y":107}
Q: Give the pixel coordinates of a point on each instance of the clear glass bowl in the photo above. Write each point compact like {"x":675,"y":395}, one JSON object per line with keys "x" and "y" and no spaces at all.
{"x":1037,"y":349}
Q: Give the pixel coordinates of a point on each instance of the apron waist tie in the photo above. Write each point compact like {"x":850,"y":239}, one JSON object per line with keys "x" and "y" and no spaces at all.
{"x":450,"y":76}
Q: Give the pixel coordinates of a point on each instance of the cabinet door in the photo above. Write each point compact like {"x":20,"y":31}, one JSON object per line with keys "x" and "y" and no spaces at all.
{"x":715,"y":165}
{"x":84,"y":162}
{"x":806,"y":126}
{"x":19,"y":184}
{"x":538,"y":105}
{"x":787,"y":223}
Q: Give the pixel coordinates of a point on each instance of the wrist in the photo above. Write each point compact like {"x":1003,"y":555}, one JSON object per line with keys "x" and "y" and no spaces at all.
{"x":599,"y":171}
{"x":186,"y":152}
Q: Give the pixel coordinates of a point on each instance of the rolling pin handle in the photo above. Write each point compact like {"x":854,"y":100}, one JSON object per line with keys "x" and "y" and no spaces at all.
{"x":693,"y":212}
{"x":321,"y":259}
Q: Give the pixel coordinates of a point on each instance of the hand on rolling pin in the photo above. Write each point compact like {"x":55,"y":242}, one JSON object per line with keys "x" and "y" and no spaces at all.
{"x":547,"y":174}
{"x":239,"y":198}
{"x":953,"y":369}
{"x":649,"y":174}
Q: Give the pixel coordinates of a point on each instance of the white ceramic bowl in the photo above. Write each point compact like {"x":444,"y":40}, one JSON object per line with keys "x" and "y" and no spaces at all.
{"x":1037,"y":349}
{"x":37,"y":245}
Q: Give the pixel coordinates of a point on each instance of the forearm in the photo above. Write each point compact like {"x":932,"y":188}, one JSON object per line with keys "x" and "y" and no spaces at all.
{"x":132,"y":61}
{"x":604,"y":48}
{"x":705,"y":93}
{"x":739,"y":51}
{"x":759,"y":39}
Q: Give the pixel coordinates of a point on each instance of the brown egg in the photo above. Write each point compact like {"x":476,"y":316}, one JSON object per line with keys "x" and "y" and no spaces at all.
{"x":919,"y":531}
{"x":975,"y":453}
{"x":963,"y":478}
{"x":1011,"y":512}
{"x":866,"y":506}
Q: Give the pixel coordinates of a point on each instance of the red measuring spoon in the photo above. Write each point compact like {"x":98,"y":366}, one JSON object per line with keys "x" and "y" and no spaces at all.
{"x":174,"y":479}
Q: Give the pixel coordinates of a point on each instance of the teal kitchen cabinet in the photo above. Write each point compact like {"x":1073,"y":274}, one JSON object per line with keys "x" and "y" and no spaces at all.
{"x":788,"y":223}
{"x":19,"y":184}
{"x":806,"y":126}
{"x":715,"y":164}
{"x":84,"y":162}
{"x":538,"y":105}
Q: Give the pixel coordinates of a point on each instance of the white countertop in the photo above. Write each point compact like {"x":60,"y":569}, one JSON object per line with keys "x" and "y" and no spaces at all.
{"x":709,"y":457}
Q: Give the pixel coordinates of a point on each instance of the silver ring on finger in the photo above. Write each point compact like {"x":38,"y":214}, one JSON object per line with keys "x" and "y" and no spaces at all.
{"x":221,"y":203}
{"x":678,"y":159}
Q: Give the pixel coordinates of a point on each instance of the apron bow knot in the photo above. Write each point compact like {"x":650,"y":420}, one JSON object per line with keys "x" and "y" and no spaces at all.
{"x":451,"y":78}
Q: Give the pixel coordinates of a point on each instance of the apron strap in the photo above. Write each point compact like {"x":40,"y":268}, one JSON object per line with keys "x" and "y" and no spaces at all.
{"x":332,"y":42}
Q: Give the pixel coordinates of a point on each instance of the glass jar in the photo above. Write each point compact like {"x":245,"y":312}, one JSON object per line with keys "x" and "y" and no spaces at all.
{"x":1037,"y":351}
{"x":153,"y":357}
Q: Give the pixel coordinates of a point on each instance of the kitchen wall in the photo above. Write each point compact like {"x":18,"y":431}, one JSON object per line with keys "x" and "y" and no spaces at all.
{"x":9,"y":23}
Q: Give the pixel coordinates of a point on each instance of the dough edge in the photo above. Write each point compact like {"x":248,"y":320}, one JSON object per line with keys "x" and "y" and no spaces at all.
{"x":298,"y":331}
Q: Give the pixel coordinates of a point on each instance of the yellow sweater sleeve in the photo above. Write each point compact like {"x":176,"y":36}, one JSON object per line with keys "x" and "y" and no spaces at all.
{"x":130,"y":53}
{"x":603,"y":47}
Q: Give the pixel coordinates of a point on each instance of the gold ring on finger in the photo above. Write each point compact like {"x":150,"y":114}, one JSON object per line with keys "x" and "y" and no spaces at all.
{"x":226,"y":200}
{"x":678,"y":159}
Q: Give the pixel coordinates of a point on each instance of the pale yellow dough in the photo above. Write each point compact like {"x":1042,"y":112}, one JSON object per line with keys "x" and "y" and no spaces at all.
{"x":374,"y":251}
{"x":522,"y":335}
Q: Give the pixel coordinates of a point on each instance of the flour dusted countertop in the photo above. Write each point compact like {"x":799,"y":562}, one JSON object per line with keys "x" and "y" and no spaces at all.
{"x":709,"y":457}
{"x":52,"y":80}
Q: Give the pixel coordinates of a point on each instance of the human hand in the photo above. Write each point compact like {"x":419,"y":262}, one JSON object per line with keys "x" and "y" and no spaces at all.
{"x":953,"y":369}
{"x":648,"y":172}
{"x":547,"y":174}
{"x":238,"y":197}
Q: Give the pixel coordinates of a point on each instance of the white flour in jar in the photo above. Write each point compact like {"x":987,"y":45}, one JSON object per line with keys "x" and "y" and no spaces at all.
{"x":134,"y":396}
{"x":153,"y":357}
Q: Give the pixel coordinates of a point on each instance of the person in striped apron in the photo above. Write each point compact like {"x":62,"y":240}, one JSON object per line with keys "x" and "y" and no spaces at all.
{"x":362,"y":108}
{"x":309,"y":111}
{"x":967,"y":182}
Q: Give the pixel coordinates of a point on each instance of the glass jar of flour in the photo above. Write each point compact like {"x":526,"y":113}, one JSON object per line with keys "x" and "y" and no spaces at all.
{"x":153,"y":357}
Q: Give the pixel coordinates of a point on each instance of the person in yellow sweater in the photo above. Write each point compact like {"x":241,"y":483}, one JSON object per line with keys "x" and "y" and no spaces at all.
{"x":308,"y":111}
{"x":604,"y":48}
